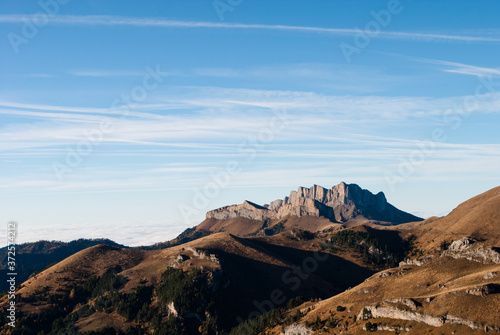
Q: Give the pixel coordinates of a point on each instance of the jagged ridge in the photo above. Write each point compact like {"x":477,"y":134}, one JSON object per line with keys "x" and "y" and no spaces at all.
{"x":341,"y":203}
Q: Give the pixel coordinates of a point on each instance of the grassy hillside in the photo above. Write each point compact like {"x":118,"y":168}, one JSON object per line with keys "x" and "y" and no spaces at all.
{"x":34,"y":257}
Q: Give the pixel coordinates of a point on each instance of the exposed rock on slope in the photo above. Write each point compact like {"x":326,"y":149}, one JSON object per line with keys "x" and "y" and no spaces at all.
{"x":454,"y":295}
{"x":297,"y":330}
{"x":451,"y":284}
{"x":468,"y":249}
{"x":247,"y":210}
{"x":478,"y":218}
{"x":341,"y":203}
{"x":392,"y":312}
{"x":245,"y":272}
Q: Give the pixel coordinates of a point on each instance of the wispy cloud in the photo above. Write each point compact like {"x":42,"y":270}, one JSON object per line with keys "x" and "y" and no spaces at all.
{"x":213,"y":117}
{"x":461,"y":68}
{"x":334,"y":135}
{"x":452,"y":67}
{"x":305,"y":164}
{"x":21,"y":108}
{"x":104,"y":73}
{"x":29,"y":75}
{"x":107,"y":20}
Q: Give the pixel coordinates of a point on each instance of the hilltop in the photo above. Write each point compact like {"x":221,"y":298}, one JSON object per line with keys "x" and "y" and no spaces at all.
{"x":239,"y":274}
{"x":337,"y":267}
{"x":478,"y":218}
{"x":36,"y":256}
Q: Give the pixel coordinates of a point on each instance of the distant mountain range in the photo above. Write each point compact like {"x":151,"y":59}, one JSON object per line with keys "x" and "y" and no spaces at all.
{"x":329,"y":261}
{"x":34,"y":257}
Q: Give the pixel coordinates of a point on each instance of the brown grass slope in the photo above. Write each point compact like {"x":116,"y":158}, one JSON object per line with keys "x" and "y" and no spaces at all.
{"x":131,"y":263}
{"x":237,"y":226}
{"x":35,"y":257}
{"x":240,"y":226}
{"x":438,"y":288}
{"x":443,"y":287}
{"x":254,"y":269}
{"x":478,"y":217}
{"x":80,"y":266}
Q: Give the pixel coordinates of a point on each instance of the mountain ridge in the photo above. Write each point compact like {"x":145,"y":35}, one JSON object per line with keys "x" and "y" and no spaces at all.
{"x":294,"y":273}
{"x":340,"y":204}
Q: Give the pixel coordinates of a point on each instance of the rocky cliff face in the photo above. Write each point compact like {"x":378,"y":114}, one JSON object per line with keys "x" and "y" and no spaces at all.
{"x":341,"y":203}
{"x":247,"y":210}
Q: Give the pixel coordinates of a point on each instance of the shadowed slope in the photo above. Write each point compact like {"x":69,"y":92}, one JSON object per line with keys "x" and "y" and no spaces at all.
{"x":435,"y":296}
{"x":250,"y":273}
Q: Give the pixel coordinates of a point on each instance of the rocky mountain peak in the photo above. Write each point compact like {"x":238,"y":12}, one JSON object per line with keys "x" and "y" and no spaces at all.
{"x":341,"y":203}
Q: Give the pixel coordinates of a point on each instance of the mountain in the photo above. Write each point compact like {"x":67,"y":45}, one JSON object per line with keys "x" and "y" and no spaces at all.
{"x":233,"y":277}
{"x":341,"y":206}
{"x":449,"y":285}
{"x":34,"y":257}
{"x":250,"y":272}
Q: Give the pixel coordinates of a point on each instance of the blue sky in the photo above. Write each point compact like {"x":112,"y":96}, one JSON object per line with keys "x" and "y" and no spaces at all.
{"x":130,"y":121}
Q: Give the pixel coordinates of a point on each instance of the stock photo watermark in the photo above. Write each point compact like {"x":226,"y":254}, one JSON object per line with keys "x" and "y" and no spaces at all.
{"x":11,"y":272}
{"x":32,"y":24}
{"x":221,"y":179}
{"x":223,"y":6}
{"x":372,"y":29}
{"x":92,"y":138}
{"x":452,"y":117}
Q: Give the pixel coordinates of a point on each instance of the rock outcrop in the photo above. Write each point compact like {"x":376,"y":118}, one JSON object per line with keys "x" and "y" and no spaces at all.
{"x":417,"y":262}
{"x":387,"y":328}
{"x":297,"y":329}
{"x":341,"y":203}
{"x":490,"y":275}
{"x":405,"y":301}
{"x":247,"y":210}
{"x":467,"y":248}
{"x":484,"y":290}
{"x":391,"y":312}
